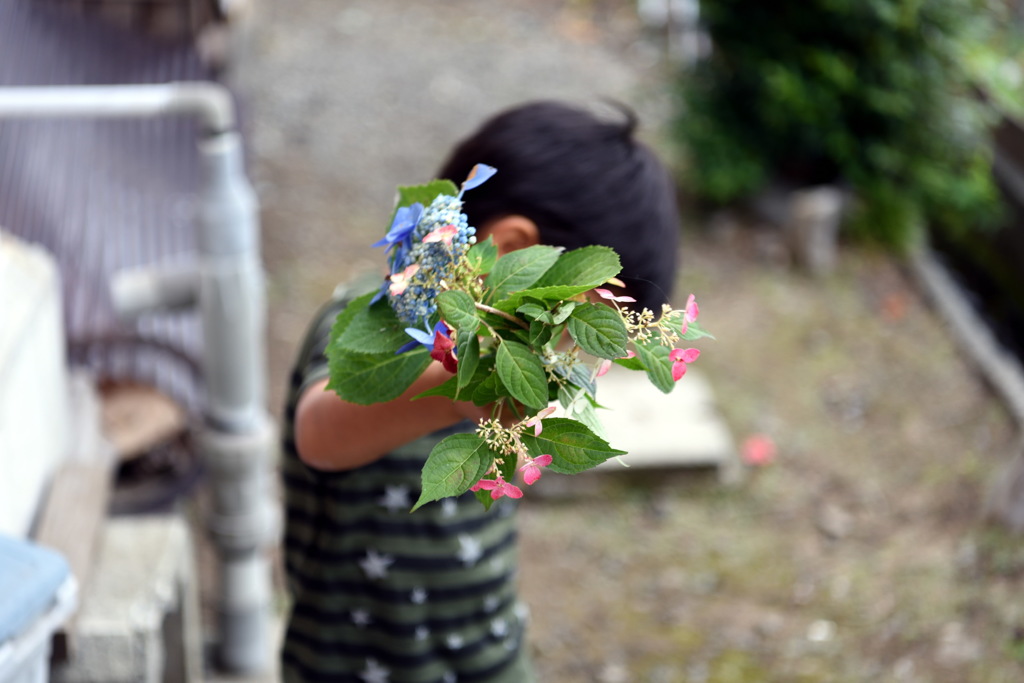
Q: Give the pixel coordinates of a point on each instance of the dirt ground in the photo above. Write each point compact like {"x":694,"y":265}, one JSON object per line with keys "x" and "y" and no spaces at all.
{"x":858,"y":555}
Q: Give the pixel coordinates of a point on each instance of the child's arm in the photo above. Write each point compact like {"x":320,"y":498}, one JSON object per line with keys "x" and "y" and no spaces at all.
{"x":333,"y":434}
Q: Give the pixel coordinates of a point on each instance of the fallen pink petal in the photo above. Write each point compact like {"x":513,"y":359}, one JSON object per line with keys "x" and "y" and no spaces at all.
{"x":758,"y":450}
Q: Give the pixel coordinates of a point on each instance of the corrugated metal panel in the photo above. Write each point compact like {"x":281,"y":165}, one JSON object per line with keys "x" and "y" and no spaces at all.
{"x":103,"y":195}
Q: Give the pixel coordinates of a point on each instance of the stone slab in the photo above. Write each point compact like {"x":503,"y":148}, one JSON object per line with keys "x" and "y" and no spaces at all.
{"x":680,"y":429}
{"x":139,"y":622}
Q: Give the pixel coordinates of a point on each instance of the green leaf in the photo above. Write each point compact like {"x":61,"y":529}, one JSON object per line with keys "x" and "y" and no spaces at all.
{"x":507,"y":467}
{"x":482,"y":256}
{"x":540,"y":333}
{"x":633,"y":363}
{"x":523,"y":374}
{"x":579,"y":406}
{"x":533,"y":311}
{"x":375,"y":378}
{"x":583,"y":377}
{"x":485,"y":498}
{"x":599,"y":330}
{"x":459,"y":311}
{"x":659,"y":368}
{"x":520,"y":269}
{"x":372,"y":329}
{"x":573,"y":447}
{"x":469,"y":359}
{"x":344,"y":319}
{"x":563,"y":312}
{"x":426,"y":193}
{"x":489,"y":390}
{"x":590,"y":266}
{"x":455,"y":464}
{"x":448,"y":388}
{"x":695,"y":331}
{"x":558,"y":293}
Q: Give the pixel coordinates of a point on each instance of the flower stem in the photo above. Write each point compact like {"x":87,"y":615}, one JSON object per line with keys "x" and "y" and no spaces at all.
{"x":502,"y":314}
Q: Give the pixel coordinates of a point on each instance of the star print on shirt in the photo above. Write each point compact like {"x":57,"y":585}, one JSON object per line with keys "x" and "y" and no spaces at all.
{"x":470,"y":550}
{"x":450,"y":677}
{"x":360,"y":617}
{"x":375,"y":564}
{"x":499,"y":628}
{"x":449,"y":507}
{"x":454,"y":641}
{"x":422,"y":632}
{"x":491,"y":602}
{"x":374,"y":672}
{"x":418,"y":595}
{"x":396,"y":498}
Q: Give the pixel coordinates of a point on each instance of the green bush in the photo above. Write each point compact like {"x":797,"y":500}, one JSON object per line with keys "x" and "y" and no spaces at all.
{"x":871,"y":93}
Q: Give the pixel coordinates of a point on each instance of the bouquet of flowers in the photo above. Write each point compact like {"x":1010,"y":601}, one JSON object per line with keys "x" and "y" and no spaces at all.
{"x":520,"y":333}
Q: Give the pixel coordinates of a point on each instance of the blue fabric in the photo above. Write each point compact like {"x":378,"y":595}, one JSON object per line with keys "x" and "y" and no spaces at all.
{"x":29,"y":578}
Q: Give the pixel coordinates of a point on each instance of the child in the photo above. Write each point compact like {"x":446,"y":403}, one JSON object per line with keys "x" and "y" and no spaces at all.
{"x":384,"y":595}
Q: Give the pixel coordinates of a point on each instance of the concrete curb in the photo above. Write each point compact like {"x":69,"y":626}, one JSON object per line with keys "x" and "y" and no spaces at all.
{"x":1000,"y":369}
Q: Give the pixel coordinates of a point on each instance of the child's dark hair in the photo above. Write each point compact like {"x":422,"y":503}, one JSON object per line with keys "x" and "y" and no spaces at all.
{"x":582,"y":180}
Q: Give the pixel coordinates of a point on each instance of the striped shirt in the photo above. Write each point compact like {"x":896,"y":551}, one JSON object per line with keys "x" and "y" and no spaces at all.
{"x":382,"y":595}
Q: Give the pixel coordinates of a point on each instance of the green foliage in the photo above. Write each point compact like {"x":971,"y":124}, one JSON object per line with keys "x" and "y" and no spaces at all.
{"x":572,"y":445}
{"x":507,"y":318}
{"x":522,"y":372}
{"x":598,"y":330}
{"x":520,"y":269}
{"x":873,"y":93}
{"x":455,"y":464}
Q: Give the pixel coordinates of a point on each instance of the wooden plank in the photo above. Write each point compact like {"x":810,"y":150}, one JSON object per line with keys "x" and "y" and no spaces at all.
{"x":137,"y":418}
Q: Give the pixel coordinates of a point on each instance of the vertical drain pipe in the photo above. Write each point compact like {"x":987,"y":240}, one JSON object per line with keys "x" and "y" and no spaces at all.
{"x":237,"y":435}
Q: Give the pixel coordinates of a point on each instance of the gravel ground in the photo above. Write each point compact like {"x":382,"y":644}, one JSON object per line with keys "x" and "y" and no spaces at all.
{"x":858,"y":555}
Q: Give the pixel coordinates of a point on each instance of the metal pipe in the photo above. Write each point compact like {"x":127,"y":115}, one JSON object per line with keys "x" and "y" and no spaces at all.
{"x":210,"y":102}
{"x":144,"y":290}
{"x":237,"y":437}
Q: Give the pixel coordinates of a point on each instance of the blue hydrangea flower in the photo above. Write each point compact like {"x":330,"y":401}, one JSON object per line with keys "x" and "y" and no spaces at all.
{"x":436,"y":239}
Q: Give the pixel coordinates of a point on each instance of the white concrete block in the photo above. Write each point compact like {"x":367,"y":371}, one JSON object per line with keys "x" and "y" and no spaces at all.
{"x":34,"y":407}
{"x":680,"y":429}
{"x":139,"y":621}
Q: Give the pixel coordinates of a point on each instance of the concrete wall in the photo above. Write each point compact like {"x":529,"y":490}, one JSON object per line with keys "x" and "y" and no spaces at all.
{"x":34,"y":405}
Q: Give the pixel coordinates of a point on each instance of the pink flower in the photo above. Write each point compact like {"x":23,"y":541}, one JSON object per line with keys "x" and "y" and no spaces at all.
{"x":758,"y":450}
{"x":445,"y":234}
{"x":606,"y":364}
{"x":531,"y":470}
{"x":607,"y":294}
{"x":679,"y":358}
{"x":536,"y":420}
{"x":498,"y":488}
{"x":690,"y":313}
{"x":399,"y":281}
{"x":444,"y":348}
